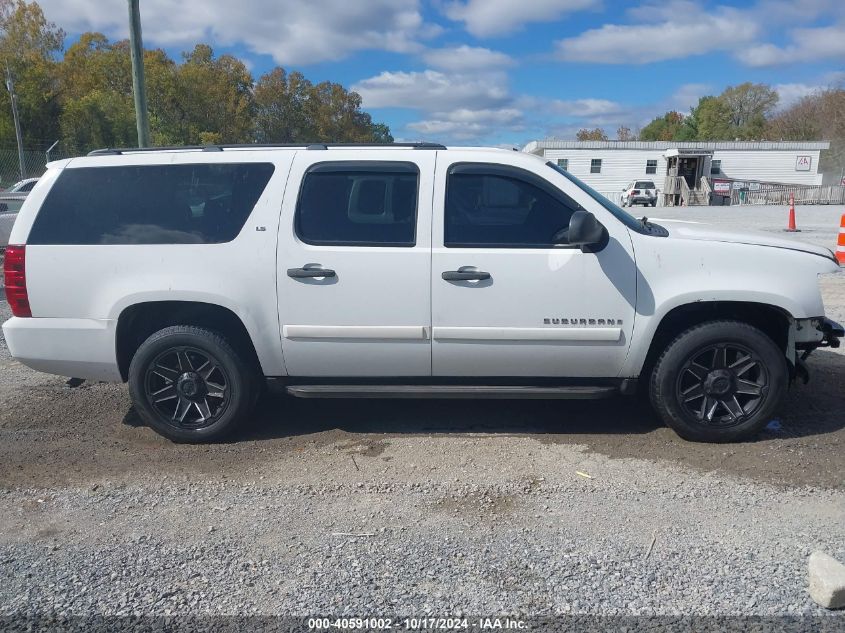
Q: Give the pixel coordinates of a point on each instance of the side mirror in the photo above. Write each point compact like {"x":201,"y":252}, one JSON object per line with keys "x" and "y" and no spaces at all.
{"x":585,"y":231}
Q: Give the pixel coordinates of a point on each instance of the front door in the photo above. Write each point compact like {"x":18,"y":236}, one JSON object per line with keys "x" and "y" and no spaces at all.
{"x":354,"y":261}
{"x":507,"y":300}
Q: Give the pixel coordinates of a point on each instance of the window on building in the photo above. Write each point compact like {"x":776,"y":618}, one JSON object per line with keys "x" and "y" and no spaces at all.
{"x":595,"y":166}
{"x":359,"y":204}
{"x":505,"y":207}
{"x":715,"y":167}
{"x":150,"y":204}
{"x":563,"y":163}
{"x":651,"y":167}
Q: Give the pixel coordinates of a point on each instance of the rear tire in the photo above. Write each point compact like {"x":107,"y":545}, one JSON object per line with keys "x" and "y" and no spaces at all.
{"x":720,"y":381}
{"x":190,"y":384}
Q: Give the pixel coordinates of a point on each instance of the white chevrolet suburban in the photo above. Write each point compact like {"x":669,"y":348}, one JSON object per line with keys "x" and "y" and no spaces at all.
{"x":409,"y":270}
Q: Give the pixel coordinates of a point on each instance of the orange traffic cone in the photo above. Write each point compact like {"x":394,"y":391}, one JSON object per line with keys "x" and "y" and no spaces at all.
{"x":791,"y":228}
{"x":840,"y":243}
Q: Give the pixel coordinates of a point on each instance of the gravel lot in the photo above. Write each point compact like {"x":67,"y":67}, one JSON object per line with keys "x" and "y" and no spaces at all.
{"x":412,"y":508}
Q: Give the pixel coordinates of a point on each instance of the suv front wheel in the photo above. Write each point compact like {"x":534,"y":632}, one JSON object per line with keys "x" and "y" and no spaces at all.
{"x":190,"y":384}
{"x":720,"y":381}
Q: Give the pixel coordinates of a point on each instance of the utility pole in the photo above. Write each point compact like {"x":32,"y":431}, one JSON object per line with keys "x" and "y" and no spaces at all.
{"x":136,"y":46}
{"x":13,"y":97}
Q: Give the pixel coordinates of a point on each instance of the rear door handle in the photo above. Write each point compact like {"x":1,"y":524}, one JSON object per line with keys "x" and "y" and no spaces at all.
{"x":465,"y":275}
{"x":310,"y":273}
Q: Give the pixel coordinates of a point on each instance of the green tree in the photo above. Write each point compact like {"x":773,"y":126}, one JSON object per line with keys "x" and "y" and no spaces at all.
{"x":96,"y":93}
{"x":597,"y":134}
{"x":290,"y":109}
{"x":213,"y":98}
{"x":711,"y":120}
{"x":748,"y":106}
{"x":664,"y":128}
{"x":28,"y":46}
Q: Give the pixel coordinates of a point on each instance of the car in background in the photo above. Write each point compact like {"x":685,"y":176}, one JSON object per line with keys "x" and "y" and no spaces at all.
{"x":23,"y":186}
{"x":11,"y":200}
{"x":640,"y":192}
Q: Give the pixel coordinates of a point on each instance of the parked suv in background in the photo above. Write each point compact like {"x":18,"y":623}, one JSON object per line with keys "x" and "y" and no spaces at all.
{"x":639,"y":192}
{"x":396,"y":271}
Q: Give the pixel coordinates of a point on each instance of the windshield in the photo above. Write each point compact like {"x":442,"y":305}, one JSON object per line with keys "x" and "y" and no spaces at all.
{"x":626,"y":218}
{"x":644,"y":184}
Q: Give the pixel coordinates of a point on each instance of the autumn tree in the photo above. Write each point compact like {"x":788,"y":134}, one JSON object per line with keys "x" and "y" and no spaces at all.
{"x":623,"y":133}
{"x":818,"y":116}
{"x":597,"y":134}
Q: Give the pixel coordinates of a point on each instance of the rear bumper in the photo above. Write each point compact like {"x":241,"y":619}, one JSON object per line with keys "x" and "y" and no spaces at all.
{"x":80,"y":348}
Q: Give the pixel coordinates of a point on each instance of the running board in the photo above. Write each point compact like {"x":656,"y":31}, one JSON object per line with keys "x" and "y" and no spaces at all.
{"x":450,"y":391}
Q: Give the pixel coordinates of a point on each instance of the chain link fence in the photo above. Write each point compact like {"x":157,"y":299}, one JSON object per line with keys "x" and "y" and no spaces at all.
{"x":35,"y":163}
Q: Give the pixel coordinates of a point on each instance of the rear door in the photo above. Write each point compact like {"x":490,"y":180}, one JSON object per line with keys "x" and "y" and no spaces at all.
{"x":354,"y":263}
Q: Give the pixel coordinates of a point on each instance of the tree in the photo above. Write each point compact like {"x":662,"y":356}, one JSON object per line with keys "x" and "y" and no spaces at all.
{"x":710,"y":120}
{"x":290,"y":109}
{"x":28,"y":46}
{"x":213,"y":98}
{"x":664,"y":128}
{"x":624,"y":133}
{"x":95,"y":84}
{"x":597,"y":134}
{"x":748,"y":106}
{"x":86,"y":97}
{"x":818,"y":116}
{"x":281,"y":101}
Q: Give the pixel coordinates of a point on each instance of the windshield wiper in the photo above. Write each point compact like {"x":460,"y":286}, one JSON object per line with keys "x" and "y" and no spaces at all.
{"x":646,"y":224}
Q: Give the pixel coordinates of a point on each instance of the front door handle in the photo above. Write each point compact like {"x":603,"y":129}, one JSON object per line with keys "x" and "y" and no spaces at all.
{"x":310,"y":273}
{"x":465,"y":275}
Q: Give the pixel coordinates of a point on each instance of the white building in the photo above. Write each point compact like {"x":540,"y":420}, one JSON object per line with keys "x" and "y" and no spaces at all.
{"x":685,"y":169}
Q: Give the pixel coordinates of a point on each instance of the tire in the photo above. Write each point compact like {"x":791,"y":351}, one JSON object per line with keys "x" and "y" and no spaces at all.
{"x":173,"y":365}
{"x":720,"y":381}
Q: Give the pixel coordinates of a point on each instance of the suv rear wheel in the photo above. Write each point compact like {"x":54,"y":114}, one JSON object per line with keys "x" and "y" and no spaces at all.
{"x":190,"y":385}
{"x":720,"y":381}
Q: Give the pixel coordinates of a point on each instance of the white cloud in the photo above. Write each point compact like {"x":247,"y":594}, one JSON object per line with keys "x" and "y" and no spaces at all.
{"x":291,"y":31}
{"x":808,"y":44}
{"x":586,"y":108}
{"x":687,"y":95}
{"x":790,"y":93}
{"x":463,"y":124}
{"x":672,"y":31}
{"x":467,"y":58}
{"x":485,"y":18}
{"x":432,"y":90}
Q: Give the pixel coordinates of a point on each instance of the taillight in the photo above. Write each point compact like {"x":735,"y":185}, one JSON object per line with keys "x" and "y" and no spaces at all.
{"x":636,"y":192}
{"x":14,"y":274}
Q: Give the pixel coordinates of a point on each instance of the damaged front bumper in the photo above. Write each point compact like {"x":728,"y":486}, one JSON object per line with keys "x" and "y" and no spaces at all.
{"x":809,"y":335}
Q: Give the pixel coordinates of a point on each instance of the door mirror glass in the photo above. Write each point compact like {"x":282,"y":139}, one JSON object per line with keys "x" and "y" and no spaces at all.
{"x":585,"y":230}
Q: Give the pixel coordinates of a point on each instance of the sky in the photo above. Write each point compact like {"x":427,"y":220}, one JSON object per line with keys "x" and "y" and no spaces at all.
{"x":503,"y":72}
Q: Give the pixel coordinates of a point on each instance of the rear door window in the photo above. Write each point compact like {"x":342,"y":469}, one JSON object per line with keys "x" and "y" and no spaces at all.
{"x":358,"y":204}
{"x":150,"y":204}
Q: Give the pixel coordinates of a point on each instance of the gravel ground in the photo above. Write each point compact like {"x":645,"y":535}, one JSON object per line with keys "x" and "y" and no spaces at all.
{"x":413,"y":508}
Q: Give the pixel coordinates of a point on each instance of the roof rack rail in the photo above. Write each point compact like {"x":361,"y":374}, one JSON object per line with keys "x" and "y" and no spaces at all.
{"x":220,"y":147}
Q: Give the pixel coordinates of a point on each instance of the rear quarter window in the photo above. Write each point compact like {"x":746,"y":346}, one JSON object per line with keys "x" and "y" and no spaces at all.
{"x":150,"y":204}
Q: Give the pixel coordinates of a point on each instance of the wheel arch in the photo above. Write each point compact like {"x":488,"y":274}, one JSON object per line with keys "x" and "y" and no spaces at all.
{"x":774,"y":321}
{"x":138,"y":321}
